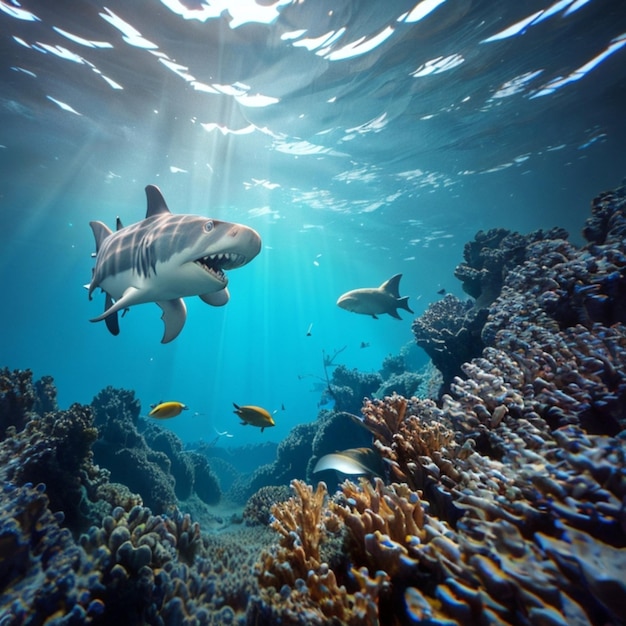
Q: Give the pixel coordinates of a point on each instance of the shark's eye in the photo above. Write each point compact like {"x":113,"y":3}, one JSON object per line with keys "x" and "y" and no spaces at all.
{"x":208,"y":226}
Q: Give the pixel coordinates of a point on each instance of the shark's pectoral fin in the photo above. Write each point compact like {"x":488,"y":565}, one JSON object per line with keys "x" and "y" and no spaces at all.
{"x":374,"y":316}
{"x":216,"y":298}
{"x":174,"y":316}
{"x":128,"y":298}
{"x":111,"y":320}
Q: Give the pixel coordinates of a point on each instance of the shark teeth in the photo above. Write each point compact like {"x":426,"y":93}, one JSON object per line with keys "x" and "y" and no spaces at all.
{"x":215,"y":264}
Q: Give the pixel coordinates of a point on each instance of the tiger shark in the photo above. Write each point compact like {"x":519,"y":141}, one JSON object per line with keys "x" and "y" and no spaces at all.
{"x":375,"y":301}
{"x":164,"y":258}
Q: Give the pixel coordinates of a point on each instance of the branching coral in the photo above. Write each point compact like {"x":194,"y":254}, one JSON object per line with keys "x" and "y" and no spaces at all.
{"x":511,"y":507}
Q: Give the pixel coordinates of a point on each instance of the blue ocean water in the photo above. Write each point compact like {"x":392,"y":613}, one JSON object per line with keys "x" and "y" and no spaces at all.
{"x":360,"y":139}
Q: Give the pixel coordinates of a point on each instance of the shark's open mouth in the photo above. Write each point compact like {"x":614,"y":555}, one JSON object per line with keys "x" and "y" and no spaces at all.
{"x":215,"y":264}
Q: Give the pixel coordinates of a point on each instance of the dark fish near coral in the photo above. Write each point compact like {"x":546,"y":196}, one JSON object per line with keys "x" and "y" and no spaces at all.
{"x":165,"y":410}
{"x":353,"y":461}
{"x":254,"y":415}
{"x":375,"y":301}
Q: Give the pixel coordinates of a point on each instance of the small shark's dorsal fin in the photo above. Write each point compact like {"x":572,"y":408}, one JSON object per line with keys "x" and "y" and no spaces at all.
{"x":156,"y":202}
{"x":118,"y":224}
{"x":100,"y":232}
{"x":392,"y":286}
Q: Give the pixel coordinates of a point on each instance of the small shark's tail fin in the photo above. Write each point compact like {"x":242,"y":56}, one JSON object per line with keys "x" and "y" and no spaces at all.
{"x":100,"y":232}
{"x":403,"y":303}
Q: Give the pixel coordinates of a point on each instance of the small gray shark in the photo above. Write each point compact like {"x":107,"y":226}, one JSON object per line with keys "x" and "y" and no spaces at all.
{"x":164,"y":258}
{"x":375,"y":301}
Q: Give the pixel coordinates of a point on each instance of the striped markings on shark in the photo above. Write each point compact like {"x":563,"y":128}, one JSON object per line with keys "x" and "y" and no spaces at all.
{"x":165,"y":258}
{"x":375,"y":301}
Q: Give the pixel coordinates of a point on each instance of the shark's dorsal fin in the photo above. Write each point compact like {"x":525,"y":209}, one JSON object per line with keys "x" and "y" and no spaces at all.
{"x":118,"y":223}
{"x":392,"y":286}
{"x":156,"y":202}
{"x":100,"y":232}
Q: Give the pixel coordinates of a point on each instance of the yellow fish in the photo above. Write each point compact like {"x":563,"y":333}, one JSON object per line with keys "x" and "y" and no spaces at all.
{"x":164,"y":410}
{"x":254,"y":415}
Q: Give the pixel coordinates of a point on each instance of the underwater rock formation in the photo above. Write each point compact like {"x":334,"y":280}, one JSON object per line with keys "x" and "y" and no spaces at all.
{"x":52,"y":448}
{"x":490,"y":257}
{"x":124,"y":452}
{"x":509,"y":492}
{"x":292,"y":457}
{"x":349,"y":387}
{"x":20,"y":396}
{"x":258,"y":507}
{"x":450,"y":333}
{"x":162,"y":471}
{"x":450,"y":330}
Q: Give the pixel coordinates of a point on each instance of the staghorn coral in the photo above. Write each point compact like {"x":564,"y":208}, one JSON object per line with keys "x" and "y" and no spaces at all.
{"x":413,"y":437}
{"x":298,"y":586}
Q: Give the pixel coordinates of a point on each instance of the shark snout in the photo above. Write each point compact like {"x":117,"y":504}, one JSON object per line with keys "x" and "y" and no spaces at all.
{"x":248,"y":241}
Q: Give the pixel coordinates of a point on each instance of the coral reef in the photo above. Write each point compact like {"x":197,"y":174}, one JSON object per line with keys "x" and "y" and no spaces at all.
{"x":20,"y":397}
{"x":450,"y":333}
{"x":489,"y":258}
{"x":349,"y":387}
{"x":509,"y":501}
{"x":148,"y":459}
{"x":205,"y":483}
{"x":292,"y":457}
{"x":258,"y":507}
{"x":52,"y":448}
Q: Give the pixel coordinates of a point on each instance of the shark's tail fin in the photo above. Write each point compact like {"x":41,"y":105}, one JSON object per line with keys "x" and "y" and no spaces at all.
{"x":403,"y":303}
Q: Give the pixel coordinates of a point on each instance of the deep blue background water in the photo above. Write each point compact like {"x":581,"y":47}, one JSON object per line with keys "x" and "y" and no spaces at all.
{"x":357,"y":162}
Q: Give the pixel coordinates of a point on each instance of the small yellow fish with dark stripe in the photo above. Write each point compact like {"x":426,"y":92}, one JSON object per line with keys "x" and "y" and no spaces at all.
{"x":253,"y":415}
{"x":165,"y":410}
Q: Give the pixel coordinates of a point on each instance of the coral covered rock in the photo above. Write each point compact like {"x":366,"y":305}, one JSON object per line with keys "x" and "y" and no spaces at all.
{"x":450,"y":333}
